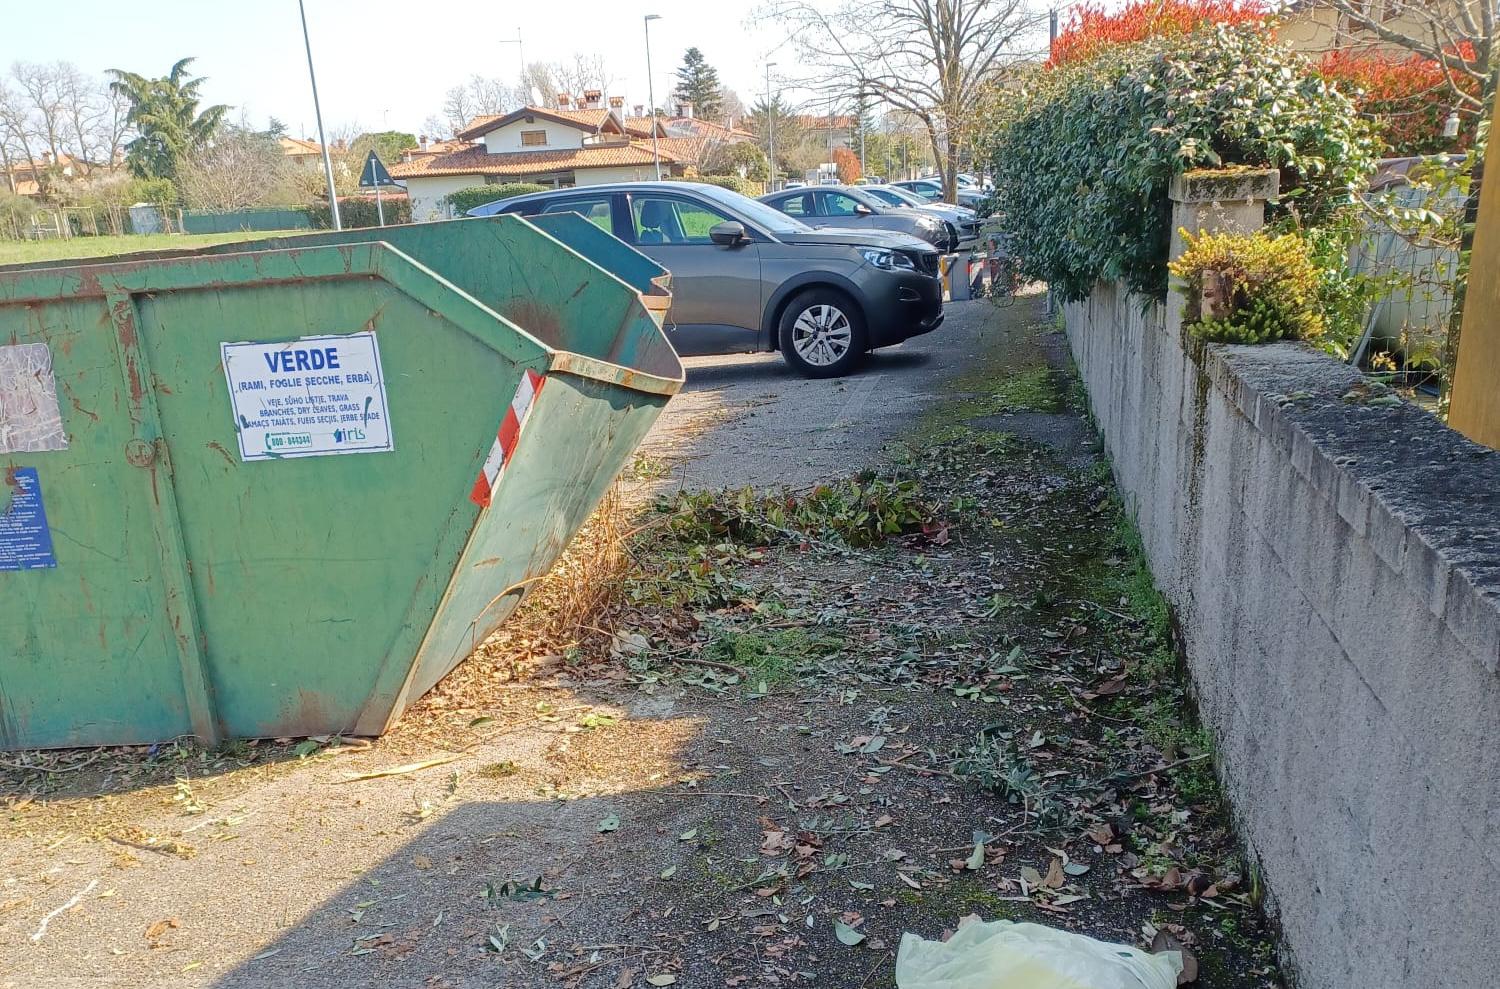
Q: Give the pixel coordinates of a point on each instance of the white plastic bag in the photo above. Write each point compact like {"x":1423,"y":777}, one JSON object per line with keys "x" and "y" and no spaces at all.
{"x":1003,"y":955}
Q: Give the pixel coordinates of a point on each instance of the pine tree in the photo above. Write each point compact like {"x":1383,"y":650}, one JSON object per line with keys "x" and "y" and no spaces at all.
{"x":698,"y":83}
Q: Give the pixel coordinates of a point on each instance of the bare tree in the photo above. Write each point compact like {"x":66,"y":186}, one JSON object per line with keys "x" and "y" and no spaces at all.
{"x":15,"y":132}
{"x":55,"y":111}
{"x":81,"y":114}
{"x":41,"y":86}
{"x":232,"y":173}
{"x":586,"y":72}
{"x":733,"y":110}
{"x":929,"y":58}
{"x":537,"y":85}
{"x":458,"y":108}
{"x":480,"y":96}
{"x":114,"y":128}
{"x":484,"y":95}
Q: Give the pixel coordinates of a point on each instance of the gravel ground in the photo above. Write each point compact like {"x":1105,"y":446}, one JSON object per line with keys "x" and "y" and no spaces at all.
{"x":633,"y":821}
{"x":747,"y":419}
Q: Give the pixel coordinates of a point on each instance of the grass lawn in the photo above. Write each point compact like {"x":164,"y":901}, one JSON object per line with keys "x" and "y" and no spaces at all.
{"x":21,"y":251}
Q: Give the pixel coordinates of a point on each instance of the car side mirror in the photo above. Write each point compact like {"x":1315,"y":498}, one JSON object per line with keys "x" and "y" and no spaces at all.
{"x":730,"y":233}
{"x":860,"y":209}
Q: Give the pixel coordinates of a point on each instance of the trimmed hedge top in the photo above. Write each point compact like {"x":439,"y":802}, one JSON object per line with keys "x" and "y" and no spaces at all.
{"x":463,"y":200}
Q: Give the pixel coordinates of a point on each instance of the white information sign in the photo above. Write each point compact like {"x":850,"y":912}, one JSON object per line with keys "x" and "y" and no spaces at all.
{"x":313,"y":397}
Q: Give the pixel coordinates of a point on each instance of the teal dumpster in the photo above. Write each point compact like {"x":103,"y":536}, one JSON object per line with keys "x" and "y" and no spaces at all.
{"x":282,"y":487}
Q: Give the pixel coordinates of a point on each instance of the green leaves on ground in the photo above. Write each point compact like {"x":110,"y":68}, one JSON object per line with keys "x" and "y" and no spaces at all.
{"x":860,"y":512}
{"x":846,"y":934}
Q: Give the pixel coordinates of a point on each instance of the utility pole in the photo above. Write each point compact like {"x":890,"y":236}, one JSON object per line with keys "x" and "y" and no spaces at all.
{"x":651,"y":94}
{"x":333,"y":196}
{"x":860,"y":122}
{"x":771,"y":126}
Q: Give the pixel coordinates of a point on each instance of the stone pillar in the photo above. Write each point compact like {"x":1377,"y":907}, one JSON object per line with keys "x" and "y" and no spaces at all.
{"x":1233,"y":201}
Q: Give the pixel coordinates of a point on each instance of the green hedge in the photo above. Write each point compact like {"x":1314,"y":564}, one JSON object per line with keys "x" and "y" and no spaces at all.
{"x":732,"y":182}
{"x":356,"y":212}
{"x":477,"y":195}
{"x":1083,"y":154}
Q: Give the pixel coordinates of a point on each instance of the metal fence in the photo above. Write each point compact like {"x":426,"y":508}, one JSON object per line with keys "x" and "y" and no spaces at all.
{"x":236,"y":221}
{"x":1411,"y":319}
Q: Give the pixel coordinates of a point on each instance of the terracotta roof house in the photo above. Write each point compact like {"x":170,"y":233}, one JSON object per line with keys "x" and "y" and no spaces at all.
{"x":300,"y":149}
{"x":834,"y":130}
{"x":24,"y":178}
{"x":533,"y":144}
{"x":686,"y":137}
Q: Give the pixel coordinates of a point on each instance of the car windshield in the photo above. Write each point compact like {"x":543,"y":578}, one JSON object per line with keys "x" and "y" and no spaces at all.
{"x":758,"y":213}
{"x":900,"y":196}
{"x":866,"y":197}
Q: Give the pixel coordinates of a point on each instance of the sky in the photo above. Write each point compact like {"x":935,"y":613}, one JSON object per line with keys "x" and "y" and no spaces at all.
{"x":385,"y":64}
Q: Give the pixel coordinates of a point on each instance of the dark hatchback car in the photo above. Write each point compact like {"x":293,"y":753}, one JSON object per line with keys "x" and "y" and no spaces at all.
{"x":746,"y":278}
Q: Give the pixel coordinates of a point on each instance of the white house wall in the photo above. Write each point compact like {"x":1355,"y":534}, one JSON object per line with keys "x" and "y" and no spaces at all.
{"x":508,"y":138}
{"x":428,"y":193}
{"x":618,"y":173}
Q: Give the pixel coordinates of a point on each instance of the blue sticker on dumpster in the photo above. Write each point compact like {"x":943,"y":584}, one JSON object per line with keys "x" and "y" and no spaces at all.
{"x":25,"y":539}
{"x":312,"y":397}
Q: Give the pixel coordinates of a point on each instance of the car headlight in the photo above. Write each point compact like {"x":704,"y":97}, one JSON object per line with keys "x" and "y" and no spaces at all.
{"x":889,"y":260}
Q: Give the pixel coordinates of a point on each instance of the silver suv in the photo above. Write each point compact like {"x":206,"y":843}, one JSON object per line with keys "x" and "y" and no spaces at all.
{"x":746,"y":278}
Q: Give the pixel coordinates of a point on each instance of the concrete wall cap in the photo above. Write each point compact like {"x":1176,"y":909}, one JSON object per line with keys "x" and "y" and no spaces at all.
{"x":1223,"y":185}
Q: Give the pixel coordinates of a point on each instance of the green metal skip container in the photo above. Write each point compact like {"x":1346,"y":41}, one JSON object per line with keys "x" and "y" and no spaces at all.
{"x":282,"y":487}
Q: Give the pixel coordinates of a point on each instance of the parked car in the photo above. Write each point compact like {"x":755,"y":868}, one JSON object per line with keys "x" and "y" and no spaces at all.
{"x":964,"y":220}
{"x":848,"y":206}
{"x":932,"y":191}
{"x":748,"y":278}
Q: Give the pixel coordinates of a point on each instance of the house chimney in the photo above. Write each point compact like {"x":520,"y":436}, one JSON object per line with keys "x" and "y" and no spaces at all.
{"x":640,"y":110}
{"x":617,"y":103}
{"x":593,"y":99}
{"x":685,"y":109}
{"x":563,"y":101}
{"x":422,"y":142}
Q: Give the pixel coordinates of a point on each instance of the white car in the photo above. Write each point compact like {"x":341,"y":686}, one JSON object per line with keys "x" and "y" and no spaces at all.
{"x":932,"y":191}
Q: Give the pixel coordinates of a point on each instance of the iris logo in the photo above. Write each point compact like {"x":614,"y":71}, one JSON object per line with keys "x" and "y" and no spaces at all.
{"x":348,"y":435}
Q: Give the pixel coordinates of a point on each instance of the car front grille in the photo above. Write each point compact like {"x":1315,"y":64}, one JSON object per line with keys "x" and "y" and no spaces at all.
{"x":926,"y":262}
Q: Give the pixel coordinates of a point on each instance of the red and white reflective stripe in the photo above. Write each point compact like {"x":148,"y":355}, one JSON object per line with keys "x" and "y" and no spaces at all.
{"x":505,"y":440}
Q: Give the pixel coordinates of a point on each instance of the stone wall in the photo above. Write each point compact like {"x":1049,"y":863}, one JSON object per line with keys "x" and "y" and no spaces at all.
{"x":1334,"y":563}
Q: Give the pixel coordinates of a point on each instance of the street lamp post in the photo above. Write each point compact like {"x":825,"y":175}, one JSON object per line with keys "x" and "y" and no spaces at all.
{"x":770,"y":126}
{"x":333,"y":196}
{"x":651,"y":95}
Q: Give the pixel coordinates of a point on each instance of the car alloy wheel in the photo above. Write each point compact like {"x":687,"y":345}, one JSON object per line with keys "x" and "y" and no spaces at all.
{"x":822,"y":335}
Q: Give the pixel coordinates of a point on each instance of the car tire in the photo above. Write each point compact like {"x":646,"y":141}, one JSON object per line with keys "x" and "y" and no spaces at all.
{"x":822,"y":334}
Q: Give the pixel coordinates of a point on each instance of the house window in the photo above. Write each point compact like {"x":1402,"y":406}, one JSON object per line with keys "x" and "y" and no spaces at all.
{"x":533,"y":138}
